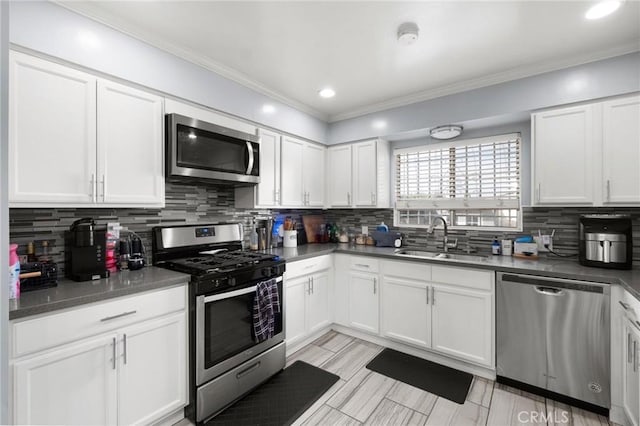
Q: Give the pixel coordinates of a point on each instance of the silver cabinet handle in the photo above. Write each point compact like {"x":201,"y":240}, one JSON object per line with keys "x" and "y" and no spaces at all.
{"x":124,"y":314}
{"x":608,"y":190}
{"x":103,"y":187}
{"x":375,"y":285}
{"x":538,"y":195}
{"x":93,"y":187}
{"x":348,"y":198}
{"x":313,"y":286}
{"x":114,"y":344}
{"x":624,"y":305}
{"x":427,"y":291}
{"x":433,"y":295}
{"x":635,"y":355}
{"x":628,"y":348}
{"x":124,"y":346}
{"x":361,"y":265}
{"x":308,"y":285}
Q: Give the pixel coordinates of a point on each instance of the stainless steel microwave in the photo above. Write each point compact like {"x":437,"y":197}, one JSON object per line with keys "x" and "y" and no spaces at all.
{"x":197,"y":150}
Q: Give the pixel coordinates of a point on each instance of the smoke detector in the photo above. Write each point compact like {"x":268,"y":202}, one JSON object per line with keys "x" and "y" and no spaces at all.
{"x":448,"y":131}
{"x":408,"y":33}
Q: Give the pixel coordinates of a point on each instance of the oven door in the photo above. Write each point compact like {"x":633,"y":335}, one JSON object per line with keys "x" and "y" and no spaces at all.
{"x":224,"y":331}
{"x":197,"y":149}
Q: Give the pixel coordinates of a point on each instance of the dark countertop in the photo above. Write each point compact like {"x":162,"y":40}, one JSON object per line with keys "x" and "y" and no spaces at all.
{"x":71,"y":293}
{"x":560,"y":268}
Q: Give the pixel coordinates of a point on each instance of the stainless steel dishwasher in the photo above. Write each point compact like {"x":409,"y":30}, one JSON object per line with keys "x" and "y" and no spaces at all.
{"x":553,"y":336}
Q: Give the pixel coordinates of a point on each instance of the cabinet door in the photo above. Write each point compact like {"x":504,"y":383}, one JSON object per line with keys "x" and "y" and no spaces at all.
{"x":313,"y":170}
{"x":563,"y":156}
{"x":339,"y":176}
{"x":340,"y":285}
{"x":621,"y":151}
{"x":73,"y":385}
{"x":296,"y":290}
{"x":363,"y":301}
{"x":318,"y":302}
{"x":153,"y":350}
{"x":406,"y":311}
{"x":130,"y":146}
{"x":269,"y":186}
{"x":291,"y":183}
{"x":631,"y":372}
{"x":364,"y":174}
{"x":453,"y":333}
{"x":52,"y":134}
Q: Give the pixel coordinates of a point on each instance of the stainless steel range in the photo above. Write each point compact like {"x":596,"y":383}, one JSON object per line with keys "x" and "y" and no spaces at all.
{"x":227,"y":358}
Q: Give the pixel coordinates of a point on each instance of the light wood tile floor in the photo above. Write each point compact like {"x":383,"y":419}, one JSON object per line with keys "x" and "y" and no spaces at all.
{"x":363,"y":397}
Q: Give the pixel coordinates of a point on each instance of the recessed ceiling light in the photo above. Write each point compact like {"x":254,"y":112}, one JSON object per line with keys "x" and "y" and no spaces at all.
{"x":408,"y":33}
{"x":379,"y":124}
{"x":327,"y":92}
{"x":268,"y":109}
{"x":449,"y":131}
{"x":602,"y":9}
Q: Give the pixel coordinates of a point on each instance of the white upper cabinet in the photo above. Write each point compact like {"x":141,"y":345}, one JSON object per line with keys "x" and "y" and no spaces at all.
{"x":313,"y":174}
{"x":199,"y":113}
{"x":621,"y":151}
{"x":339,"y":181}
{"x":52,"y":134}
{"x":292,"y":186}
{"x":79,"y":141}
{"x":130,"y":141}
{"x":563,"y":142}
{"x":358,"y":175}
{"x":587,"y":154}
{"x":268,"y":190}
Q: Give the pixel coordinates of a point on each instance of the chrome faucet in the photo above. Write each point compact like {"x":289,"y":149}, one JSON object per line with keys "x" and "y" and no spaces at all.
{"x":445,"y":240}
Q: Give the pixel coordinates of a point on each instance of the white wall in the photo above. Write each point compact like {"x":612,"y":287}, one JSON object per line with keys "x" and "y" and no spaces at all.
{"x":4,"y":215}
{"x":53,"y":30}
{"x":609,"y":77}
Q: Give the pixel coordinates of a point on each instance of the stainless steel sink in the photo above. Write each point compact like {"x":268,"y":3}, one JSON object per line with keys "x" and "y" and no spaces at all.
{"x":440,"y":255}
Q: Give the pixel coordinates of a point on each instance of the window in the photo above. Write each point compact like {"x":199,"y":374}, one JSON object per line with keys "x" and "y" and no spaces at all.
{"x":472,"y":183}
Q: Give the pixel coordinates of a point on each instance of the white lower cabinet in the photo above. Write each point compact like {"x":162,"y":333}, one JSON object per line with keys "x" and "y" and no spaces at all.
{"x":462,"y":323}
{"x":72,"y":385}
{"x":130,"y":372}
{"x":307,"y":310}
{"x":631,"y":372}
{"x":406,"y":311}
{"x":363,"y":301}
{"x":444,"y":309}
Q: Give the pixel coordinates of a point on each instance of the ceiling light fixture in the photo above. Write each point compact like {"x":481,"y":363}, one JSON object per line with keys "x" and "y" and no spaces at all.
{"x":327,"y":92}
{"x":448,"y":131}
{"x":602,"y":9}
{"x":268,"y":109}
{"x":408,"y":33}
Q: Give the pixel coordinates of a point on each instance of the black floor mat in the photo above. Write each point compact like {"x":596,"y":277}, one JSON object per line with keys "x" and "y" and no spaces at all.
{"x":435,"y":378}
{"x":281,"y":399}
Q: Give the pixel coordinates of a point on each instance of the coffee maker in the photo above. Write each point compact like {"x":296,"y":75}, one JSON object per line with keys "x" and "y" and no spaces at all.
{"x":606,"y":241}
{"x":85,"y":250}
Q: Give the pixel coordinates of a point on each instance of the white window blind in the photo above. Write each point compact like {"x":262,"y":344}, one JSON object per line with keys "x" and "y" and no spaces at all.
{"x":479,"y":176}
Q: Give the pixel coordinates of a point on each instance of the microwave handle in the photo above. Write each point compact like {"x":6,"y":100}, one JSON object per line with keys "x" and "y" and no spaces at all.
{"x":251,"y":159}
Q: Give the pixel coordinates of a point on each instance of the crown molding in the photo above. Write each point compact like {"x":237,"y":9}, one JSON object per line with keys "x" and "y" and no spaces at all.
{"x":202,"y":61}
{"x":489,"y":80}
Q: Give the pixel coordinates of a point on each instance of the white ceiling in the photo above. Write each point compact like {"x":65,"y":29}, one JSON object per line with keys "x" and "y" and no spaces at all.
{"x":289,"y":50}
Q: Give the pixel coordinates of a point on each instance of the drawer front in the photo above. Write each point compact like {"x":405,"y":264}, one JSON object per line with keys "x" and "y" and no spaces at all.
{"x":467,"y":277}
{"x":47,"y":331}
{"x":365,"y":264}
{"x":308,"y":266}
{"x":413,"y":270}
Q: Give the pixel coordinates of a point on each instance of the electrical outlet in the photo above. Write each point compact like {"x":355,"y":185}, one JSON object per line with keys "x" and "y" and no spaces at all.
{"x":542,"y":241}
{"x":365,"y":230}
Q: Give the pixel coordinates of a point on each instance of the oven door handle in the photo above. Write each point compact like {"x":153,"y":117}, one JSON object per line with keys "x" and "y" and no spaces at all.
{"x":251,"y":159}
{"x":230,"y":294}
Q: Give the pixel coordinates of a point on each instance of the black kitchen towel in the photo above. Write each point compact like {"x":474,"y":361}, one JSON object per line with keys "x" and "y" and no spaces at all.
{"x":265,"y":305}
{"x":281,"y":399}
{"x":426,"y":375}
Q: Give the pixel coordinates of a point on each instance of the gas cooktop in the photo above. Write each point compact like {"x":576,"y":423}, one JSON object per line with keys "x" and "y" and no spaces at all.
{"x":225,"y":262}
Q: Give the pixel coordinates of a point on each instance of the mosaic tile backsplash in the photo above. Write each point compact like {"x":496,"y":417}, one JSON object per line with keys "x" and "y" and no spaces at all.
{"x":189,"y":203}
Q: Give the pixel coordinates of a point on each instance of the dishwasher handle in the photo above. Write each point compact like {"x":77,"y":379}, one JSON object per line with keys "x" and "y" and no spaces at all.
{"x":549,"y":291}
{"x":555,"y":283}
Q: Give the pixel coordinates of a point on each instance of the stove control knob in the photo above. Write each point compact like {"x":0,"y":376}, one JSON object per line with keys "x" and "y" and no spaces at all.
{"x":267,"y":272}
{"x":231,"y":282}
